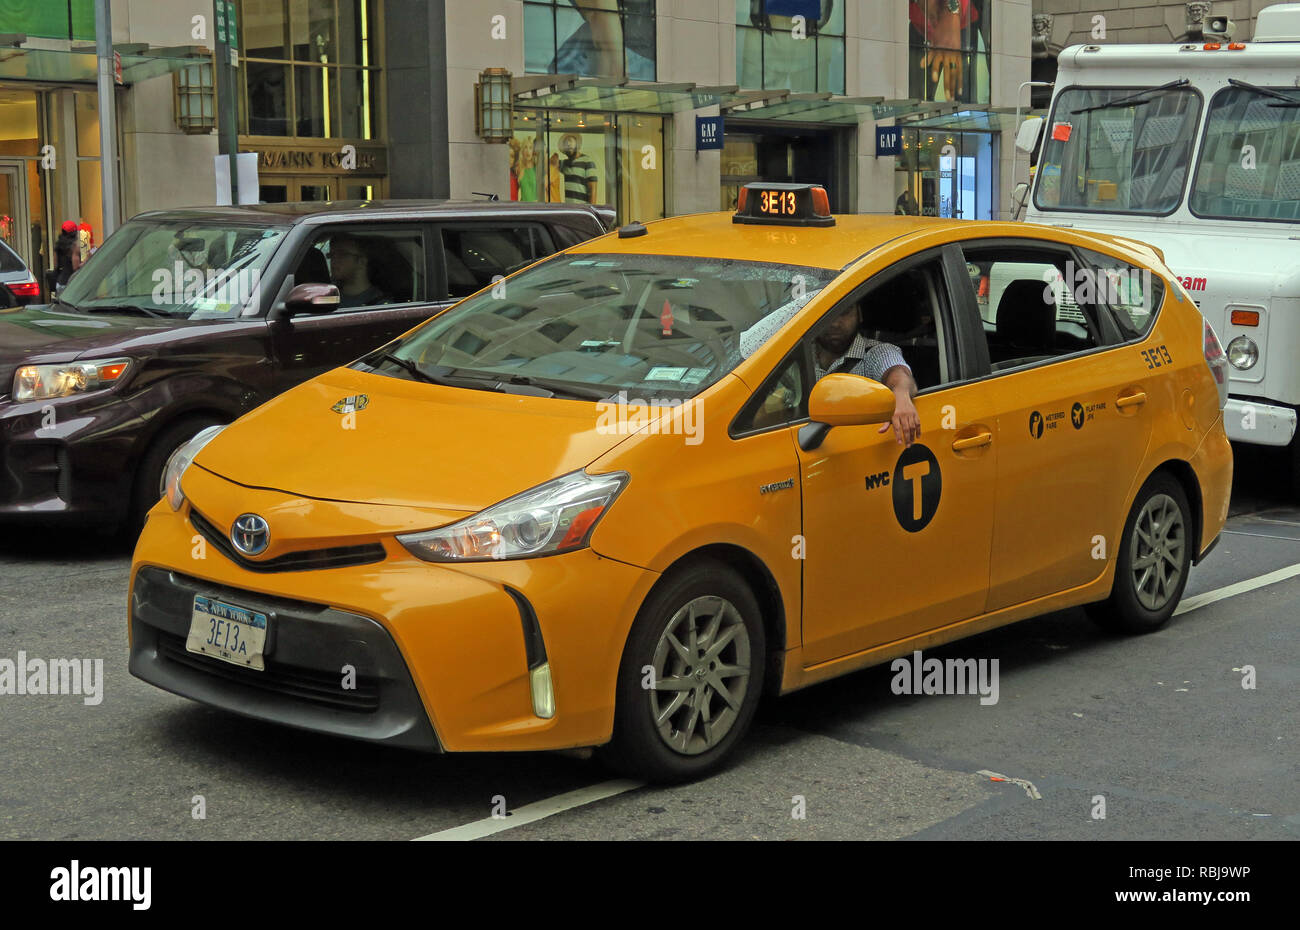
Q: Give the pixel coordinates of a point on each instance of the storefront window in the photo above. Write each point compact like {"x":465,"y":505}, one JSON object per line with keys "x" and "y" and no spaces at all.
{"x":949,"y":50}
{"x":311,"y":68}
{"x":562,"y":156}
{"x":947,"y":174}
{"x":592,"y":38}
{"x":796,"y":45}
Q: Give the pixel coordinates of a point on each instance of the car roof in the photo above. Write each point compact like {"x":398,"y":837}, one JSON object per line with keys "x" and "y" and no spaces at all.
{"x":292,"y":213}
{"x":714,"y":235}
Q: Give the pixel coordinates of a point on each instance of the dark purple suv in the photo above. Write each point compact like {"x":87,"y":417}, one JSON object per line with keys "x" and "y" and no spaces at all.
{"x":187,"y":318}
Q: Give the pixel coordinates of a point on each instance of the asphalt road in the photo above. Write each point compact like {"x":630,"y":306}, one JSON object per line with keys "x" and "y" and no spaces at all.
{"x":1159,"y":727}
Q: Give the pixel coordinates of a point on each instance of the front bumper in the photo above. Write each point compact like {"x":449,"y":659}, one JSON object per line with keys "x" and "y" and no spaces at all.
{"x":456,"y":634}
{"x":305,"y":677}
{"x":66,"y":458}
{"x":1259,"y":423}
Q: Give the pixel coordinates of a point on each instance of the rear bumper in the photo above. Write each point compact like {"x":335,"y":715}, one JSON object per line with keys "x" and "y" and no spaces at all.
{"x":1212,"y":465}
{"x":1258,"y":423}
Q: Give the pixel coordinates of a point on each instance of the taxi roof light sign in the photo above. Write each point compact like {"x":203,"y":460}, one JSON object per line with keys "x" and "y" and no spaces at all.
{"x":768,"y":204}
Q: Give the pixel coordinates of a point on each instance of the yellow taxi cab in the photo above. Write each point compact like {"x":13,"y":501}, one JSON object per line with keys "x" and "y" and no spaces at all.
{"x":616,"y":497}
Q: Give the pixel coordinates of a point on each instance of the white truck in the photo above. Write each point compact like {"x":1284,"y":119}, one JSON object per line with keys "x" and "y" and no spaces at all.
{"x":1195,"y":149}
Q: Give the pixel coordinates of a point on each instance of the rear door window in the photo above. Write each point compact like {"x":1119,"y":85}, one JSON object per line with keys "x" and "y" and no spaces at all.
{"x":477,"y":255}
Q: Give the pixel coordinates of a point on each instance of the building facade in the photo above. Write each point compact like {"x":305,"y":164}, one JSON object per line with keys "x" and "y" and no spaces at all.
{"x":618,"y":100}
{"x":657,"y":107}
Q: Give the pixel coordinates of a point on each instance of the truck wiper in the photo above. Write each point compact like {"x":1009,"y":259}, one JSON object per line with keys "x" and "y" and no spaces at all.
{"x":1264,"y":91}
{"x":1135,"y":98}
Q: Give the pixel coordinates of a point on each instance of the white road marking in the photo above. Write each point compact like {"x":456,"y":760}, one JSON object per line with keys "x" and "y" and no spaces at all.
{"x":1241,"y":587}
{"x":1023,"y":783}
{"x":1260,"y":535}
{"x":1283,"y":522}
{"x":530,"y":813}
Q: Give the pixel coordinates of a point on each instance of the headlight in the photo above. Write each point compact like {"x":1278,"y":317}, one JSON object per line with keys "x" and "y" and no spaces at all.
{"x":1243,"y":353}
{"x":558,"y":516}
{"x":180,"y":461}
{"x":41,"y":382}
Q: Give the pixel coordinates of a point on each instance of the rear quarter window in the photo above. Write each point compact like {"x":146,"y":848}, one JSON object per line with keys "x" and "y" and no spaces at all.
{"x":1130,"y":295}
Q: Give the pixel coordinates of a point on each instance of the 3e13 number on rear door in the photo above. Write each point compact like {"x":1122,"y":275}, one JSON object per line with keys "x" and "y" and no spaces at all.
{"x":1156,"y":357}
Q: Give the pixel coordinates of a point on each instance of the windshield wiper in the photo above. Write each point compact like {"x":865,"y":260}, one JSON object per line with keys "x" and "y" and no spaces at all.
{"x":503,"y":382}
{"x":124,"y":308}
{"x":1290,"y":101}
{"x":1135,"y":98}
{"x":414,"y":370}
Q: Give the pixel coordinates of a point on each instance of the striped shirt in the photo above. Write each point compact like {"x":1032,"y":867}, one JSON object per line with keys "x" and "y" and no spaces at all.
{"x":578,"y":172}
{"x":873,"y":359}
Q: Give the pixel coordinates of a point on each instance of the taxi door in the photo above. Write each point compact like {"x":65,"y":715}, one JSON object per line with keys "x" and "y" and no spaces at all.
{"x":1073,"y":419}
{"x":897,"y":540}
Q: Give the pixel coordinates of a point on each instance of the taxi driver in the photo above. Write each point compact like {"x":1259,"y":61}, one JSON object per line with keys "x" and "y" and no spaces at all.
{"x":841,"y":348}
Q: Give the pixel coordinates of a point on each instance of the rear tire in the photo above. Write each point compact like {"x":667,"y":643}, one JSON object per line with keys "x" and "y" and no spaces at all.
{"x":148,"y":479}
{"x":707,"y":686}
{"x":1155,"y":556}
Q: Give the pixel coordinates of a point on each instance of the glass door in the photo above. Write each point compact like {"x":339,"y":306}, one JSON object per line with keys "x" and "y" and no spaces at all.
{"x":15,"y":228}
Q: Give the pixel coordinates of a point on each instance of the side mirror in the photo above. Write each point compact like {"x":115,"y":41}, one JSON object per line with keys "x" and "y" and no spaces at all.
{"x":844,"y":400}
{"x":312,"y":298}
{"x":1028,"y":133}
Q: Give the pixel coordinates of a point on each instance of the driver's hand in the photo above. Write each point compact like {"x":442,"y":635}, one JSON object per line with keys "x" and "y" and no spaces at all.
{"x":906,"y":422}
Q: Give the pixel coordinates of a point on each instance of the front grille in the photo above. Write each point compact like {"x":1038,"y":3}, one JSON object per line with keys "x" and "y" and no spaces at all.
{"x":301,"y":561}
{"x":304,"y":684}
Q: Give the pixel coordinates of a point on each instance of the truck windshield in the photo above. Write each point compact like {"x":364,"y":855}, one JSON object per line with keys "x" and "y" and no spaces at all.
{"x":182,"y":269}
{"x":1250,"y":164}
{"x":1118,"y":149}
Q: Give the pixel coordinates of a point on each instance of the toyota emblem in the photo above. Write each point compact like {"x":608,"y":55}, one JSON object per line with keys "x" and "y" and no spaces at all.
{"x":250,"y":534}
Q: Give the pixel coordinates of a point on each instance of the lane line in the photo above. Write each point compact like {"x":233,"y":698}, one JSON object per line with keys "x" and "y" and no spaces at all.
{"x":1241,"y":587}
{"x":531,"y":813}
{"x":1261,"y":535}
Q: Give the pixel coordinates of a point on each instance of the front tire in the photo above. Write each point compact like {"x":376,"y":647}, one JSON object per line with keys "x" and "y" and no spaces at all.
{"x":691,"y":676}
{"x":1155,"y":557}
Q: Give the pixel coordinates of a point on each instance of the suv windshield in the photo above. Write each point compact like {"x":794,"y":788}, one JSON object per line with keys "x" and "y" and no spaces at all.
{"x":1118,"y":149}
{"x":1250,"y":163}
{"x":184,"y":269}
{"x":590,"y":326}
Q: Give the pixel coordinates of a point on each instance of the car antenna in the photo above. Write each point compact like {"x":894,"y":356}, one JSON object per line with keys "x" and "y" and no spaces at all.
{"x":492,"y":197}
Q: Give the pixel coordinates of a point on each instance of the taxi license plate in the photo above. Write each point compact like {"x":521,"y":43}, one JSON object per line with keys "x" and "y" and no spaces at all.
{"x":224,"y":631}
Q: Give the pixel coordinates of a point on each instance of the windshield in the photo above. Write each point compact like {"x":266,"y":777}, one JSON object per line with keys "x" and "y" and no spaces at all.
{"x":1250,"y":163}
{"x":1131,"y":157}
{"x":593,"y":325}
{"x":183,"y":269}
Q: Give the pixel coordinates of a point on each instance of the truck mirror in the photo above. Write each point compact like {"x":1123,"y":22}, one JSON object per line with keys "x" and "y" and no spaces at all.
{"x":1028,"y":133}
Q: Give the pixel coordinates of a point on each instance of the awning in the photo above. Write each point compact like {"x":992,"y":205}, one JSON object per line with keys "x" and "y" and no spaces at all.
{"x":570,"y":92}
{"x":612,"y":95}
{"x":80,"y":66}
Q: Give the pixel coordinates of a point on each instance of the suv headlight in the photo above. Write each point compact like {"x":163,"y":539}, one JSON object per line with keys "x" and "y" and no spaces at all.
{"x":181,"y":460}
{"x":42,"y":382}
{"x":555,"y":517}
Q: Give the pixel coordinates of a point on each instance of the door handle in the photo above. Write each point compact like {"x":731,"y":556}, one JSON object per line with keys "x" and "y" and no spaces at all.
{"x":1131,"y":400}
{"x":972,"y":442}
